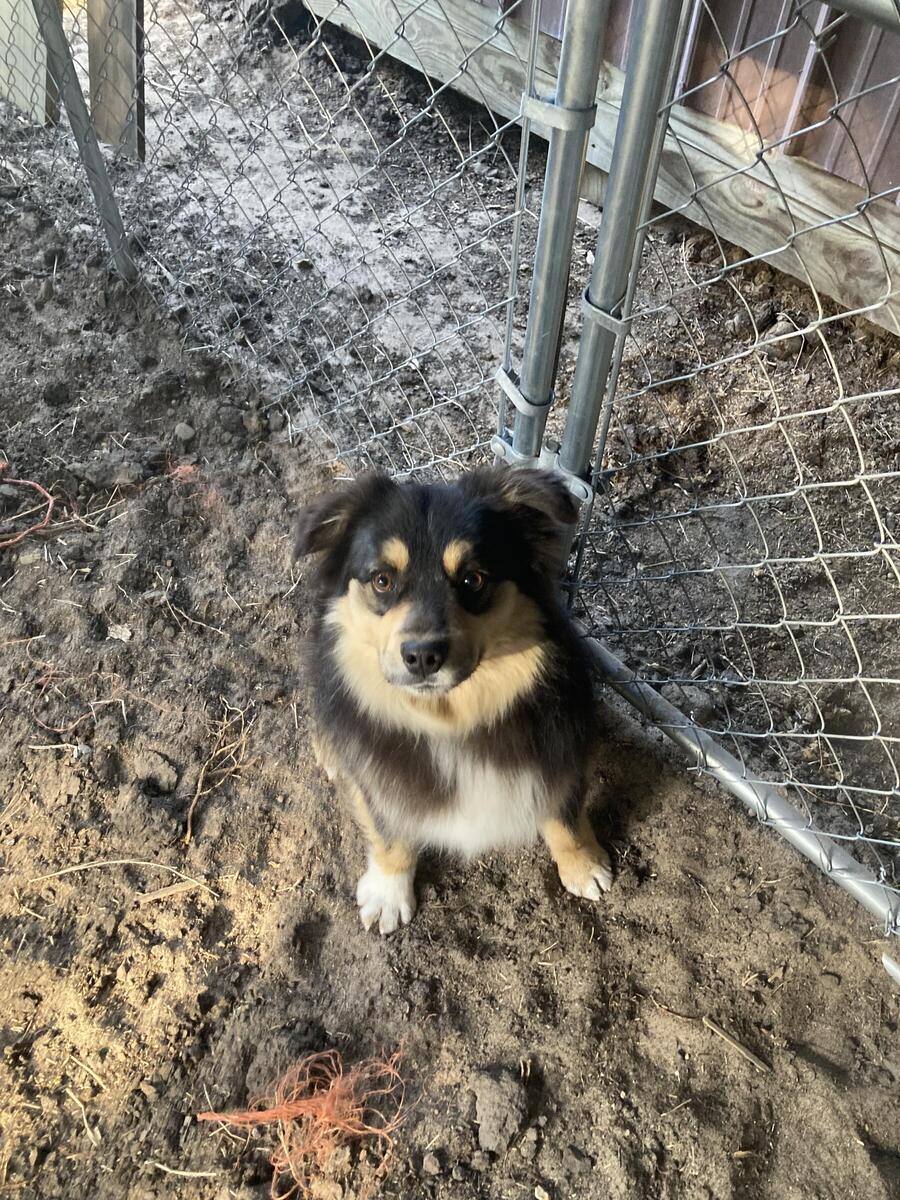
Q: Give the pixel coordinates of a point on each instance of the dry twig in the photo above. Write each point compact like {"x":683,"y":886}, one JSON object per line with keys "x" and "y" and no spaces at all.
{"x":122,"y":862}
{"x":717,"y":1029}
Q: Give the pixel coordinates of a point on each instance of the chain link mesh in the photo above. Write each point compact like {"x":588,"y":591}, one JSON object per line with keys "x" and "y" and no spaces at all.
{"x":317,"y":211}
{"x":742,"y":554}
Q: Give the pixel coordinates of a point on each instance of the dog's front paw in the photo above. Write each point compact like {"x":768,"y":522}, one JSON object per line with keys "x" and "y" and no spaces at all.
{"x":586,"y":872}
{"x":387,"y":898}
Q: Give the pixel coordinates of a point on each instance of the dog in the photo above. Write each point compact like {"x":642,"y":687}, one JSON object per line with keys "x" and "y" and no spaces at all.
{"x":452,"y":698}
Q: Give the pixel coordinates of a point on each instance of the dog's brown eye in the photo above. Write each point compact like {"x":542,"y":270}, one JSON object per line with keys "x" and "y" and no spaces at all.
{"x":382,"y":581}
{"x":474,"y":580}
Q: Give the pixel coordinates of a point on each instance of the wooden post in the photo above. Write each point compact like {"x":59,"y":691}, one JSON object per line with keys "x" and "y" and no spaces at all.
{"x":24,"y":78}
{"x":116,"y":67}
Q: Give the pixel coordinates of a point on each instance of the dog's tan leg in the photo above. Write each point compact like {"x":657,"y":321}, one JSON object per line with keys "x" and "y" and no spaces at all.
{"x":584,"y":866}
{"x":385,"y":892}
{"x":325,"y":758}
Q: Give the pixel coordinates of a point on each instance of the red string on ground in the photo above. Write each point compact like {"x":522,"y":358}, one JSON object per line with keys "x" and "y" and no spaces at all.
{"x":318,"y":1106}
{"x":42,"y":524}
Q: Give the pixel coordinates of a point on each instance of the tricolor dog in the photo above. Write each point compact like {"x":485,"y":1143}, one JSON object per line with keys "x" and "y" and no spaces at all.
{"x":452,"y":699}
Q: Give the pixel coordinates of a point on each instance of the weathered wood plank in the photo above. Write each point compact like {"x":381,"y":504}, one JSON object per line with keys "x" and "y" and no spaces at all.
{"x":780,"y":207}
{"x":115,"y":64}
{"x":24,"y":79}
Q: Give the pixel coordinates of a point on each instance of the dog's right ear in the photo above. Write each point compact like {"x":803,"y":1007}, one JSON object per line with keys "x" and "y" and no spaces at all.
{"x":324,"y":523}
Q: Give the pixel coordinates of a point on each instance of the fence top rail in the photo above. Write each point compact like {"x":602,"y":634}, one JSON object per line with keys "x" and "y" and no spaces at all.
{"x":881,"y":12}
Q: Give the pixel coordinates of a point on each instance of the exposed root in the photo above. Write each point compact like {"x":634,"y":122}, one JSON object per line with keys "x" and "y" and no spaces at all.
{"x":228,"y":754}
{"x":14,"y":540}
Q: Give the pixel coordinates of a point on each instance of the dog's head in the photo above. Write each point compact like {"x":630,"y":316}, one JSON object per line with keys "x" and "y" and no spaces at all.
{"x":425,"y":582}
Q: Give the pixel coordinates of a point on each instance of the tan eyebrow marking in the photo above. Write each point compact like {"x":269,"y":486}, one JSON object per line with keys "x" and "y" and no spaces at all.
{"x":455,"y":555}
{"x":395,"y":553}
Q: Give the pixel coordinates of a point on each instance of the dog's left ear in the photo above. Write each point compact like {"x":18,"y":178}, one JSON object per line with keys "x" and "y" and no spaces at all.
{"x":521,"y":489}
{"x":323,"y":524}
{"x":538,"y":501}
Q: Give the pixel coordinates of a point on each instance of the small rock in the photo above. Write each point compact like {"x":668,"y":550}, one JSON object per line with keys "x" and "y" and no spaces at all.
{"x":790,"y":340}
{"x":119,"y":633}
{"x":109,"y":472}
{"x":458,"y":1173}
{"x":56,"y":392}
{"x":541,"y":1193}
{"x":431,"y":1164}
{"x":184,"y":432}
{"x":499,"y":1109}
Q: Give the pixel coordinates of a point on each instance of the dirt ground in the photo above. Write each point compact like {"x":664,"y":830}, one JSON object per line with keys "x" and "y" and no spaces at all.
{"x":160,"y":599}
{"x":150,"y":646}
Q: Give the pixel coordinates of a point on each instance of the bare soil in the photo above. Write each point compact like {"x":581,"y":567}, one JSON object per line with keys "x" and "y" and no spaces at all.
{"x":151,"y":639}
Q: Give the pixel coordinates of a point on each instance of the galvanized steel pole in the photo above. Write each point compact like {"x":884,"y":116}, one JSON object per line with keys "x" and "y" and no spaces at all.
{"x":579,"y":69}
{"x":62,"y":71}
{"x":647,"y":73}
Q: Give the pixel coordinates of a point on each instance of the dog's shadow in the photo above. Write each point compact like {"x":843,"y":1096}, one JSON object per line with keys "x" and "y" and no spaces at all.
{"x":629,"y":773}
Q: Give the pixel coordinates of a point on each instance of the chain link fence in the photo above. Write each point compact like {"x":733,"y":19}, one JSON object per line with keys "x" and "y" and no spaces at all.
{"x":314,"y":210}
{"x":342,"y":200}
{"x":742,"y":552}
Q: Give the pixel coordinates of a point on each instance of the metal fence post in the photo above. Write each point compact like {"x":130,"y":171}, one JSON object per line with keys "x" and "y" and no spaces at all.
{"x":62,"y":71}
{"x":647,"y":74}
{"x":570,"y":116}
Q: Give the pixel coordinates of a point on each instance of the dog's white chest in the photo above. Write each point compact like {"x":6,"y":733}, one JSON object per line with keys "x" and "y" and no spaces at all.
{"x":488,"y":808}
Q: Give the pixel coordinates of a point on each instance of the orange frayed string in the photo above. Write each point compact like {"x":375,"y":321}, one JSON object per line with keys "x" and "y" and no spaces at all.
{"x":42,"y":524}
{"x":319,"y":1106}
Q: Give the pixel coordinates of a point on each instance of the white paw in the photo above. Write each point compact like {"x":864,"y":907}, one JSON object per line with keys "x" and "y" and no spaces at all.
{"x":588,"y":877}
{"x":387,"y":899}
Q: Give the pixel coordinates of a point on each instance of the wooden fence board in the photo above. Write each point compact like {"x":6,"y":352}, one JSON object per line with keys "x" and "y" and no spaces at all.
{"x":115,"y":53}
{"x":783,"y":207}
{"x":24,"y":79}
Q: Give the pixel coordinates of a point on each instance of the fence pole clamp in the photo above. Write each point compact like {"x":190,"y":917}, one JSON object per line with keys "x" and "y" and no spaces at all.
{"x":510,"y":384}
{"x":545,"y":111}
{"x":548,"y":459}
{"x":617,"y":325}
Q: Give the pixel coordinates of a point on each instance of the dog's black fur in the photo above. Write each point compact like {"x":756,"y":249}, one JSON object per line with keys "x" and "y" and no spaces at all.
{"x":508,"y":524}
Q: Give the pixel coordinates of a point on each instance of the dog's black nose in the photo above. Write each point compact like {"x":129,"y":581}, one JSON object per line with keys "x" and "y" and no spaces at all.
{"x":425,"y":657}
